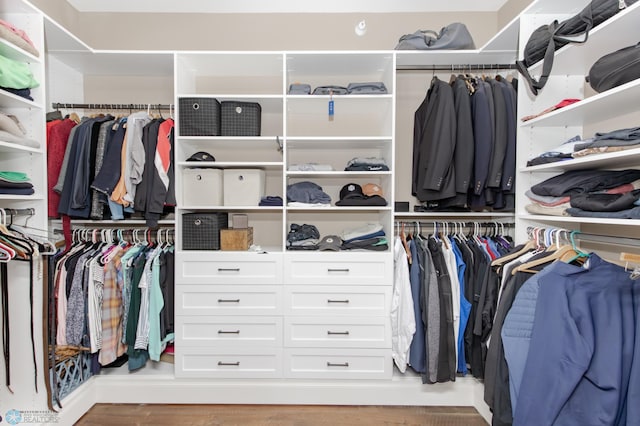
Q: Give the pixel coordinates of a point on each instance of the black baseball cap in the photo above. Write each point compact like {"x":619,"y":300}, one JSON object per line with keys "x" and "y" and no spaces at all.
{"x":351,"y":190}
{"x":201,"y":156}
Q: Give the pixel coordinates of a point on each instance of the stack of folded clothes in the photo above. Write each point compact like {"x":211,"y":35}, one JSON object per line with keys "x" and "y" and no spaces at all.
{"x":303,"y":237}
{"x":16,"y":77}
{"x":588,"y":193}
{"x":576,"y":147}
{"x":367,"y":164}
{"x":17,"y":37}
{"x":370,"y":236}
{"x":11,"y":130}
{"x":15,"y":183}
{"x":270,"y":200}
{"x":307,"y":194}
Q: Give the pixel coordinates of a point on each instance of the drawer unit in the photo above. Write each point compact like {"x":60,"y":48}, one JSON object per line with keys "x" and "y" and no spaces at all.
{"x":338,"y":364}
{"x":229,"y":331}
{"x":337,"y":332}
{"x":339,"y":268}
{"x":228,"y":300}
{"x":229,"y":268}
{"x":337,"y":300}
{"x":231,"y":363}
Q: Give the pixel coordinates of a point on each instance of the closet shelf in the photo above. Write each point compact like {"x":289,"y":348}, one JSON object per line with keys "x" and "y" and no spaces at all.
{"x":464,"y":215}
{"x":14,"y":147}
{"x":112,"y":223}
{"x":337,"y":209}
{"x":34,"y":197}
{"x":586,"y":220}
{"x":231,"y":165}
{"x":235,"y":208}
{"x":577,"y":58}
{"x":337,"y":174}
{"x":326,"y":98}
{"x":16,"y":53}
{"x":597,"y":108}
{"x":9,"y":100}
{"x":338,"y":142}
{"x":615,"y":160}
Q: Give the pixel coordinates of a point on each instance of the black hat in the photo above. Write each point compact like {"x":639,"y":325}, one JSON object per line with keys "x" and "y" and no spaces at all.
{"x":351,"y":190}
{"x":201,"y":156}
{"x":330,"y":242}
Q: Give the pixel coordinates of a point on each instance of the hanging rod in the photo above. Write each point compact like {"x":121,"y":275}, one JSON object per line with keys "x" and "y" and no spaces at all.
{"x":466,"y":224}
{"x":607,"y":239}
{"x":19,"y":212}
{"x":58,"y":105}
{"x":458,"y":67}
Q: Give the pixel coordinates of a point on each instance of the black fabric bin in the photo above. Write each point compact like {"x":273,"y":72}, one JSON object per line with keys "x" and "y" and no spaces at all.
{"x":199,"y":116}
{"x":240,"y":118}
{"x":201,"y":231}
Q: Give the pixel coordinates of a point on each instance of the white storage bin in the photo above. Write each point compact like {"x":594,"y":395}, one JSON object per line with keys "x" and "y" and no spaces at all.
{"x":202,"y":187}
{"x":243,"y":187}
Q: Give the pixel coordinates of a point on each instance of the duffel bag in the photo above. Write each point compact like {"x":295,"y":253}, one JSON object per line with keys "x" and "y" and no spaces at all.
{"x":615,"y":68}
{"x":545,"y":40}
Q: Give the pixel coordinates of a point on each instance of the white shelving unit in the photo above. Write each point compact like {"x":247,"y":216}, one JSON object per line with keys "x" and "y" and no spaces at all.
{"x":32,"y":161}
{"x":609,"y":110}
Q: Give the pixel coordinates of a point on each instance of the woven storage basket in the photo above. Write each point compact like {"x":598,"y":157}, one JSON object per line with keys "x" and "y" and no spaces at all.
{"x":199,"y":117}
{"x":240,"y":118}
{"x":201,"y":231}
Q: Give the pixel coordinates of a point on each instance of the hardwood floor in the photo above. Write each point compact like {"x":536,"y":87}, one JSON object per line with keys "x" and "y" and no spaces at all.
{"x":280,"y":415}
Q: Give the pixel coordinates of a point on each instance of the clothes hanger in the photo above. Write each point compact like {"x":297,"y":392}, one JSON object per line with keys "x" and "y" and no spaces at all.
{"x":565,"y":253}
{"x":531,"y":244}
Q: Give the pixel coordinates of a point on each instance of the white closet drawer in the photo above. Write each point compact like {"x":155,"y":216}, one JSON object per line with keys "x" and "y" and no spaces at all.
{"x":339,"y":268}
{"x":337,"y":332}
{"x":337,"y":300}
{"x":229,"y":363}
{"x":229,"y":268}
{"x":228,"y":300}
{"x":228,"y":331}
{"x":338,"y":364}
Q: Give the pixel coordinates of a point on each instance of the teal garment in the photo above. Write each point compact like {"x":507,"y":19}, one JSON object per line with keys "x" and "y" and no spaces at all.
{"x":14,"y":176}
{"x":16,"y":75}
{"x":127,"y":276}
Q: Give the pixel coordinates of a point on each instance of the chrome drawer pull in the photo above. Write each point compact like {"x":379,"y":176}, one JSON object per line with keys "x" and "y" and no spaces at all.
{"x":228,"y":269}
{"x":337,"y":270}
{"x":232,"y":364}
{"x":228,"y":300}
{"x":228,"y":332}
{"x":337,"y":364}
{"x":337,"y":301}
{"x":339,"y":333}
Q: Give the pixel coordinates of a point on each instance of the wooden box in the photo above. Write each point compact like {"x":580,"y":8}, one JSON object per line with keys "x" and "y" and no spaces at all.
{"x":236,"y":239}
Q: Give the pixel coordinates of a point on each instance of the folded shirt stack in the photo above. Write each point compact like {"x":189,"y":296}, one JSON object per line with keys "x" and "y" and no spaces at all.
{"x":270,"y":200}
{"x":366,"y":88}
{"x":588,"y":193}
{"x":370,"y":236}
{"x":310,"y":167}
{"x":16,"y":77}
{"x":303,"y":237}
{"x":307,"y":194}
{"x":614,"y":141}
{"x":17,"y":37}
{"x":367,"y":164}
{"x":15,"y":183}
{"x":11,"y":130}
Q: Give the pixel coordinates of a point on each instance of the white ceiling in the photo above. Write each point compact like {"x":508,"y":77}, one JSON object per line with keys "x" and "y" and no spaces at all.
{"x":286,"y":6}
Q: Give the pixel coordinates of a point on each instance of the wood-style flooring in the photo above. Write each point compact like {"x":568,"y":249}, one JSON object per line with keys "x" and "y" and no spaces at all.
{"x":277,"y":415}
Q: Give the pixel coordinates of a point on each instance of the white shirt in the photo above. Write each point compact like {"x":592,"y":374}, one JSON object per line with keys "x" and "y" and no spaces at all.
{"x":403,"y":321}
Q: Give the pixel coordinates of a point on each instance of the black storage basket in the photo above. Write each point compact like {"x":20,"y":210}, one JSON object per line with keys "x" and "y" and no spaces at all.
{"x":201,"y":231}
{"x":240,"y":118}
{"x":199,"y":116}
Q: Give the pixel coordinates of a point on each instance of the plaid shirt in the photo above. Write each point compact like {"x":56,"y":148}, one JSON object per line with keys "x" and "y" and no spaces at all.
{"x":112,"y":346}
